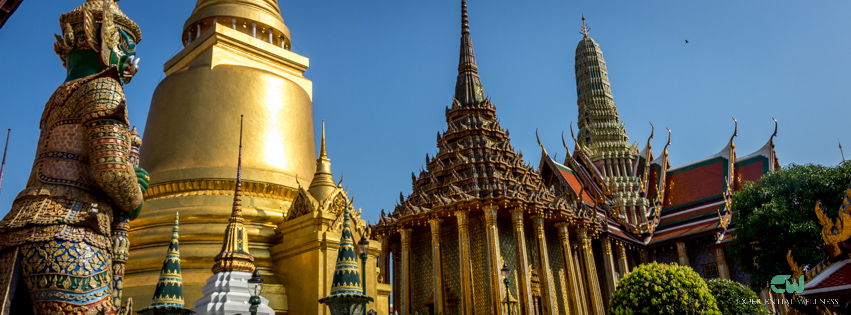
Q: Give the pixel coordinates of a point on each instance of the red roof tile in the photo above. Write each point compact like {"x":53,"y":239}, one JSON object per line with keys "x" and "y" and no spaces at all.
{"x":683,"y":231}
{"x":652,"y":182}
{"x":841,"y":276}
{"x":693,"y":184}
{"x":750,"y":172}
{"x":688,"y":213}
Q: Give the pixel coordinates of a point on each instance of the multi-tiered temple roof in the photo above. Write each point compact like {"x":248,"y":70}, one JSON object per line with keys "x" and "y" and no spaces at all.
{"x":475,"y":161}
{"x":643,"y":199}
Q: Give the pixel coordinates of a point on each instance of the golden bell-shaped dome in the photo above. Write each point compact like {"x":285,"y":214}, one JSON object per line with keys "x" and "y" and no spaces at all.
{"x":266,"y":13}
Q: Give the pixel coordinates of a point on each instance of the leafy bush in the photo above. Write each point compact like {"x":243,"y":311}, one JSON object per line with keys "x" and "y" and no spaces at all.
{"x":727,"y":293}
{"x":661,"y":289}
{"x":784,"y":200}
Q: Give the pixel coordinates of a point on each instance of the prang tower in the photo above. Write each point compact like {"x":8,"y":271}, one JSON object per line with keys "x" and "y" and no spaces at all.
{"x":602,"y":135}
{"x":235,"y":61}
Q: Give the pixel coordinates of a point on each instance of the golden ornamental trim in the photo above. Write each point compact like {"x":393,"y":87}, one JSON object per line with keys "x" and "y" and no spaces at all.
{"x":209,"y":187}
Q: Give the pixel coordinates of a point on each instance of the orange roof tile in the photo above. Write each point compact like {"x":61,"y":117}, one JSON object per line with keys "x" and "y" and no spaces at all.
{"x":571,"y":179}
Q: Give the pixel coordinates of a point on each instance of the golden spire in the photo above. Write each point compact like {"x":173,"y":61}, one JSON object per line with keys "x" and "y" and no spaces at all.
{"x":585,"y":28}
{"x":323,"y":181}
{"x":468,"y":86}
{"x":234,"y":255}
{"x":264,"y":12}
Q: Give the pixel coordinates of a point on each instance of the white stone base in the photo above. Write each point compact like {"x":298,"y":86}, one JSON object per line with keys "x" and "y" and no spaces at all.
{"x":226,"y":293}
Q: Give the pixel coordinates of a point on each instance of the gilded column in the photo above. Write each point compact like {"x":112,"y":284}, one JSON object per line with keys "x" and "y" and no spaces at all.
{"x":384,"y":263}
{"x":720,"y":258}
{"x":436,"y":264}
{"x":544,"y":271}
{"x":524,"y":286}
{"x":624,"y":264}
{"x":405,"y":270}
{"x":576,"y":299}
{"x":596,"y":305}
{"x":580,"y":279}
{"x":682,"y":253}
{"x":609,"y":265}
{"x":464,"y":255}
{"x":493,"y":257}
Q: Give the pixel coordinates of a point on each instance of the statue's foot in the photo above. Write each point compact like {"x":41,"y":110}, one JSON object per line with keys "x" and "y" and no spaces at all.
{"x":127,"y":308}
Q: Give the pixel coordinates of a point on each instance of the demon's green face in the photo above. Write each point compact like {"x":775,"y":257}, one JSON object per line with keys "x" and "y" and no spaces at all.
{"x":124,"y":57}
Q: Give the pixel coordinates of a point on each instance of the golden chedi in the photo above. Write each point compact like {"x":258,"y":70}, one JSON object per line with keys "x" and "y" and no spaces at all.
{"x":236,"y":61}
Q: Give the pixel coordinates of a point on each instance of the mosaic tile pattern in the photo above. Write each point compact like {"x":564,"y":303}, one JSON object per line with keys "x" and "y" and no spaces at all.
{"x":421,"y":273}
{"x":478,"y":248}
{"x":451,"y":269}
{"x":666,"y":255}
{"x":700,"y":254}
{"x":739,"y":275}
{"x":508,"y":250}
{"x":558,"y":272}
{"x":396,"y":257}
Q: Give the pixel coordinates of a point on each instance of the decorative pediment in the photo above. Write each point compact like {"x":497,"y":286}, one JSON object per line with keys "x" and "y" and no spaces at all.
{"x":302,"y":204}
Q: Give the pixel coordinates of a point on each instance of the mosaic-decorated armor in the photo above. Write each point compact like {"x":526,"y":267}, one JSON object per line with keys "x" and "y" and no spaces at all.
{"x":66,"y":231}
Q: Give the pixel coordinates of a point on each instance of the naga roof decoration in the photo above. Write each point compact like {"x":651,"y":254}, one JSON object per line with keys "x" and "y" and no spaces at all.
{"x":234,"y":255}
{"x":475,"y":161}
{"x":832,"y":276}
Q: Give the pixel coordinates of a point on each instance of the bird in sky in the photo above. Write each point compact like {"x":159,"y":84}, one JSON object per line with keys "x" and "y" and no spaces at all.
{"x":686,"y":41}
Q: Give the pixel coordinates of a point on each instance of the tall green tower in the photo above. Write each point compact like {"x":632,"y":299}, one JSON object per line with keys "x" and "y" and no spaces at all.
{"x":602,"y":136}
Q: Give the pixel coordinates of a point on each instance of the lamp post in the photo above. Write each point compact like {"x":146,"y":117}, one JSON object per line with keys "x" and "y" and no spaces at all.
{"x":255,"y":287}
{"x":363,"y":245}
{"x":505,"y":272}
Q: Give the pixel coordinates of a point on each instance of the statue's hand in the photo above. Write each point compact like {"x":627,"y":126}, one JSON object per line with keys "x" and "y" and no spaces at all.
{"x":143,"y":179}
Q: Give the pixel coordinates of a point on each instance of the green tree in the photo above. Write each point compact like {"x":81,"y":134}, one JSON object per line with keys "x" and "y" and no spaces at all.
{"x":776,"y":214}
{"x":729,"y":296}
{"x":661,"y":289}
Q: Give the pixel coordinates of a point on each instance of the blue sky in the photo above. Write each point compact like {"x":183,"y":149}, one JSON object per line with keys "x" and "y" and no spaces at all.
{"x":383,"y":72}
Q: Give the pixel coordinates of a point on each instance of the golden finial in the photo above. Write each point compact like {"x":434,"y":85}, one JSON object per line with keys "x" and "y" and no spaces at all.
{"x":669,"y":141}
{"x":585,"y":27}
{"x":735,"y":129}
{"x":322,"y":184}
{"x":539,"y":142}
{"x":565,"y":148}
{"x":571,"y":133}
{"x":322,"y":153}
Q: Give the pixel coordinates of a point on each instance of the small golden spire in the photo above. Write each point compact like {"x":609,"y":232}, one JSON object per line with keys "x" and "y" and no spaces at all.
{"x":322,"y":184}
{"x":234,"y":255}
{"x":322,"y":153}
{"x":585,"y":28}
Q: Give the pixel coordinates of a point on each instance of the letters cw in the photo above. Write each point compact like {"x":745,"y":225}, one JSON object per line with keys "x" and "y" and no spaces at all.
{"x":797,"y":286}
